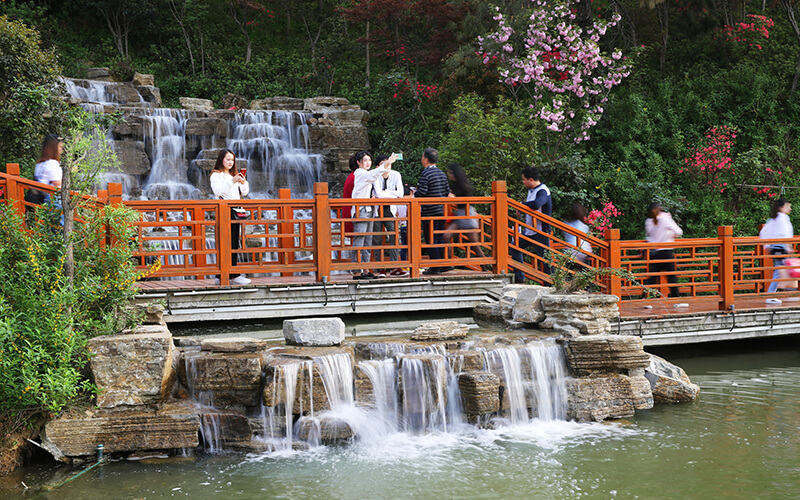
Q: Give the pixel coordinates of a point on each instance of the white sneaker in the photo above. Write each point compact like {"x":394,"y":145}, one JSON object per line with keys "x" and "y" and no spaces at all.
{"x":774,"y":301}
{"x":241,"y":280}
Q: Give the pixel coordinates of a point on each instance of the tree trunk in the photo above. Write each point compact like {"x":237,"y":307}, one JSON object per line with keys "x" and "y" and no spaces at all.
{"x":367,"y":83}
{"x":66,"y":207}
{"x":788,"y":7}
{"x":663,"y":20}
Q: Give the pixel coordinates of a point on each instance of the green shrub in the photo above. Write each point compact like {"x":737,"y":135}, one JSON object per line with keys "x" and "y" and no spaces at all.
{"x":44,"y":321}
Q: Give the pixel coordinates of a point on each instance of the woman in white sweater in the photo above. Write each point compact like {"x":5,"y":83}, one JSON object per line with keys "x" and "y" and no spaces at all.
{"x":778,"y":226}
{"x":228,"y":183}
{"x":661,"y":228}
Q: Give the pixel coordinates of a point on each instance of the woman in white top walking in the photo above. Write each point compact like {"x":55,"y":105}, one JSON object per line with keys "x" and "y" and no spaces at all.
{"x":778,"y":226}
{"x":228,"y":183}
{"x":362,"y":189}
{"x":661,"y":228}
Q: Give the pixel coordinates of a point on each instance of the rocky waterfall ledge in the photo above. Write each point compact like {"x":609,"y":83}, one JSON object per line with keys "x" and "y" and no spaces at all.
{"x":171,"y":394}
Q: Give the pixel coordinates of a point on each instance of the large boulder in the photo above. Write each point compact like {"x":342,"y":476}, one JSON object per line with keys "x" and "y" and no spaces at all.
{"x":488,"y":314}
{"x":508,"y":298}
{"x":326,"y":430}
{"x":233,"y":344}
{"x":608,"y":395}
{"x":318,"y":332}
{"x":527,"y":308}
{"x":225,"y":379}
{"x":132,"y":157}
{"x":613,"y":353}
{"x":669,"y":383}
{"x":442,"y":330}
{"x":588,"y":314}
{"x":103,"y":74}
{"x":278,"y":103}
{"x":195,"y":104}
{"x":480,"y":393}
{"x":207,"y":127}
{"x":131,"y":431}
{"x":131,"y":370}
{"x":141,"y":79}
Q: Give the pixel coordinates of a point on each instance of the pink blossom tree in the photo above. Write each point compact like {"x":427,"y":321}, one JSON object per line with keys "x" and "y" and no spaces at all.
{"x":557,"y":63}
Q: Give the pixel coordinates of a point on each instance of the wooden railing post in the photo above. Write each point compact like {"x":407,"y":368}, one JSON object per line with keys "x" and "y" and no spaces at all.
{"x":500,"y":226}
{"x":613,"y":283}
{"x":286,"y":230}
{"x":414,"y":237}
{"x":322,"y":231}
{"x":223,"y":234}
{"x":114,"y":198}
{"x":764,"y":260}
{"x":725,"y":234}
{"x":13,"y":188}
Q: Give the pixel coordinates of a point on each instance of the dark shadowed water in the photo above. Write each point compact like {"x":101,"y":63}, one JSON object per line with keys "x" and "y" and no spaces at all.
{"x":739,"y":440}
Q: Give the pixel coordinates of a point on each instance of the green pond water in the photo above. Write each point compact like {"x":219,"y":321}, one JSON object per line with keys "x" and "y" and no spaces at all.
{"x":741,"y":439}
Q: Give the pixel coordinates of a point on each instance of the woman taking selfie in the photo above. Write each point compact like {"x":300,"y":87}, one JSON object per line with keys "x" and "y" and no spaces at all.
{"x":228,"y":183}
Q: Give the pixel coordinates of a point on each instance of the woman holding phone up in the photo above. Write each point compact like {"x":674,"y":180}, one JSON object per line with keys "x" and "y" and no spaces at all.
{"x":228,"y":183}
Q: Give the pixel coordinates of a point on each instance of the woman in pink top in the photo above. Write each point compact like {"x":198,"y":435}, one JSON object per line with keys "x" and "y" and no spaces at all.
{"x":661,"y":228}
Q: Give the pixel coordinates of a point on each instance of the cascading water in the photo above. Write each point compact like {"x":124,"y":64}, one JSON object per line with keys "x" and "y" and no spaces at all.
{"x":414,"y":390}
{"x":276,"y":147}
{"x":165,"y":137}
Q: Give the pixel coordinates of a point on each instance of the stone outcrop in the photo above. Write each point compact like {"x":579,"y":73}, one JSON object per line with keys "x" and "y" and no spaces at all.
{"x":607,"y":395}
{"x":140,"y":79}
{"x":480,"y":393}
{"x":132,"y":155}
{"x":278,"y":103}
{"x":443,"y":330}
{"x":225,"y":379}
{"x":141,"y":430}
{"x":135,"y":369}
{"x":236,"y":101}
{"x":587,"y":314}
{"x":195,"y":104}
{"x":102,"y":74}
{"x":325,"y":430}
{"x":509,"y":298}
{"x":669,"y":383}
{"x":233,"y":344}
{"x":488,"y":314}
{"x":612,"y":353}
{"x":527,"y":308}
{"x":314,"y":332}
{"x":207,"y":127}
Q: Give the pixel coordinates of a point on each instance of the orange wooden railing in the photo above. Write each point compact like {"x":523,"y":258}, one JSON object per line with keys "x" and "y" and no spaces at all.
{"x":285,"y":236}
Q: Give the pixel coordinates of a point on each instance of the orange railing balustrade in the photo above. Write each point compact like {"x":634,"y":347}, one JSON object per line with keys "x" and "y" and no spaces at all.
{"x":285,"y":236}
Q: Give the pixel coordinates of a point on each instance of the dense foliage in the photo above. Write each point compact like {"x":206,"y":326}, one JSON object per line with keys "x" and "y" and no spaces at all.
{"x":680,"y":70}
{"x":45,"y":321}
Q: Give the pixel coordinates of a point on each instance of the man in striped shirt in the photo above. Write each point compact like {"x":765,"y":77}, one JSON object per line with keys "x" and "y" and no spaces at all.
{"x":432,"y":183}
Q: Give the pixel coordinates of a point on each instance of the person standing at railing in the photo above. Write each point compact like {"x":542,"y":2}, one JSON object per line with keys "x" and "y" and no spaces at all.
{"x":538,"y":199}
{"x":461,"y":187}
{"x":388,"y":185}
{"x":778,"y":226}
{"x":228,"y":183}
{"x":661,"y":228}
{"x":48,"y":169}
{"x":362,"y":190}
{"x":577,"y":214}
{"x":432,"y":183}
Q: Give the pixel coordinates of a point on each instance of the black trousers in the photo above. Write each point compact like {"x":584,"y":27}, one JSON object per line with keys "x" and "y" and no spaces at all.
{"x":524,"y":243}
{"x":660,"y":267}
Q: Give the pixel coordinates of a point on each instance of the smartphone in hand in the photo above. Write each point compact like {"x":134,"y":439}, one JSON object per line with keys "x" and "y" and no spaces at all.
{"x":243,"y":172}
{"x":398,"y":155}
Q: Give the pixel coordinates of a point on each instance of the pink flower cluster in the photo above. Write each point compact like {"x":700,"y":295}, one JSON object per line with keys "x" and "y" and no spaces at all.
{"x":775,"y":176}
{"x":417,"y":90}
{"x":744,"y":32}
{"x":600,"y":220}
{"x":559,"y":64}
{"x":711,"y":156}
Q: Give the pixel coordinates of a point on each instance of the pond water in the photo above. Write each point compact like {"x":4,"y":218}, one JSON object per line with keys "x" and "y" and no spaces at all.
{"x":738,"y":440}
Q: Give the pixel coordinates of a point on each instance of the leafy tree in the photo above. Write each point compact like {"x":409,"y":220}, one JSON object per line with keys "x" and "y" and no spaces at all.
{"x":30,"y":84}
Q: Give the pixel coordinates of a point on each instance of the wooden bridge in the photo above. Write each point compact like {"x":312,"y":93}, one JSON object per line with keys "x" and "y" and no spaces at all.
{"x":297,"y":252}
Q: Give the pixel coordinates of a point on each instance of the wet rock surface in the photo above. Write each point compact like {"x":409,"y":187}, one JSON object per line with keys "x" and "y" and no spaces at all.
{"x":587,"y":354}
{"x":443,"y":330}
{"x":314,"y":332}
{"x":669,"y":383}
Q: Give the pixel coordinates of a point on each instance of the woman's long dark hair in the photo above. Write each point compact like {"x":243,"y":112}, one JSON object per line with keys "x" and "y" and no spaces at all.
{"x":776,"y":207}
{"x":50,"y":148}
{"x":221,"y":156}
{"x":462,"y":186}
{"x":652,"y":210}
